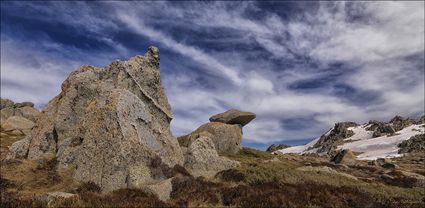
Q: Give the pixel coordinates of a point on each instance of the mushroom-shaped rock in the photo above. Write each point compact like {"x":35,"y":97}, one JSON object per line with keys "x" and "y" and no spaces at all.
{"x":226,"y":137}
{"x":233,"y":116}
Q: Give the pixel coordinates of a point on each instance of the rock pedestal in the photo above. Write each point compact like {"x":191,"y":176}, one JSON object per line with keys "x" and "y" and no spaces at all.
{"x":221,"y":136}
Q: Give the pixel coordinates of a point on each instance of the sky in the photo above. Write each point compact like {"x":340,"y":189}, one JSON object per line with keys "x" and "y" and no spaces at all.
{"x":300,"y":66}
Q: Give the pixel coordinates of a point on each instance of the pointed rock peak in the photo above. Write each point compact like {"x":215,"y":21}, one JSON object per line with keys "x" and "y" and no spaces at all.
{"x":153,"y":52}
{"x":233,"y":116}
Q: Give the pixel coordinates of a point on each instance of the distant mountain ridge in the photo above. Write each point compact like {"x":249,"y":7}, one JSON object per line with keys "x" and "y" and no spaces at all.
{"x":372,"y":140}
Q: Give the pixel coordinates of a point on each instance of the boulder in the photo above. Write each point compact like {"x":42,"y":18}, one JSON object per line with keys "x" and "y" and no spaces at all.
{"x":6,"y":103}
{"x":226,"y":137}
{"x":373,"y":125}
{"x":384,"y":129}
{"x":161,"y":189}
{"x":17,"y":122}
{"x":233,"y":116}
{"x":27,"y":112}
{"x":202,"y":159}
{"x":109,"y":124}
{"x":6,"y":113}
{"x":275,"y":147}
{"x":19,"y":149}
{"x":389,"y":165}
{"x":23,"y":104}
{"x":381,"y":161}
{"x":345,"y":156}
{"x":413,"y":144}
{"x":399,"y":123}
{"x":384,"y":163}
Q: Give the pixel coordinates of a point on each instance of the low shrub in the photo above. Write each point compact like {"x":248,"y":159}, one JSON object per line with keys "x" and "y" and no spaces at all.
{"x":118,"y":198}
{"x":189,"y":191}
{"x":88,"y":187}
{"x":231,"y":175}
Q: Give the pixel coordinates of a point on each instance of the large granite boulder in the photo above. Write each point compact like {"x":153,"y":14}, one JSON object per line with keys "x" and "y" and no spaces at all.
{"x":108,"y":124}
{"x":233,"y":116}
{"x":202,"y":159}
{"x":27,"y":112}
{"x":226,"y":137}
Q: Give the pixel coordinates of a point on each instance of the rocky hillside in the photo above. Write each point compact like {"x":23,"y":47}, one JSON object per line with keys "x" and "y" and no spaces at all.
{"x":372,"y":140}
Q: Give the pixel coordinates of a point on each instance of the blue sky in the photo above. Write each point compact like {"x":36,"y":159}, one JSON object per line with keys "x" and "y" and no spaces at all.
{"x":300,"y":66}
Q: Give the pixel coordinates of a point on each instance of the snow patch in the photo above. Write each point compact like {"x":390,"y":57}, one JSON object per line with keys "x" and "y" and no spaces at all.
{"x":360,"y":133}
{"x":380,"y":147}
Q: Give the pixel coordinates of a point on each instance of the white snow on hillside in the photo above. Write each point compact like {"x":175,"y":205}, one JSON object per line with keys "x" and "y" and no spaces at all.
{"x":360,"y":133}
{"x":362,"y":141}
{"x":381,"y":147}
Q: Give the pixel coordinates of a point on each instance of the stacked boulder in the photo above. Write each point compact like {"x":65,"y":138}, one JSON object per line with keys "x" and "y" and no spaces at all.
{"x":222,"y":136}
{"x":17,"y":118}
{"x":110,"y":125}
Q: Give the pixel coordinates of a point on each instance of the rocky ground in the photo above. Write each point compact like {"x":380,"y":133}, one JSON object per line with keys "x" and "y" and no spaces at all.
{"x":105,"y":141}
